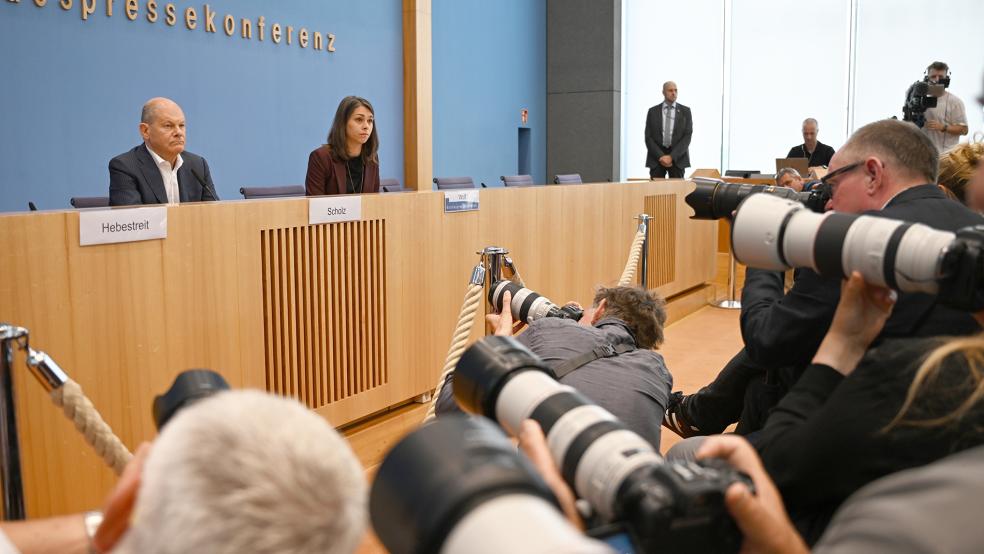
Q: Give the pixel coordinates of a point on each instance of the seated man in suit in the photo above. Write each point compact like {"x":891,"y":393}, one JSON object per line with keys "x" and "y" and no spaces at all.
{"x":159,"y":171}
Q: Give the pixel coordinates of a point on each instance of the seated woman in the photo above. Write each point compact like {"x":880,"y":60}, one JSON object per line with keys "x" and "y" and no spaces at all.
{"x":348,"y":164}
{"x":854,"y":417}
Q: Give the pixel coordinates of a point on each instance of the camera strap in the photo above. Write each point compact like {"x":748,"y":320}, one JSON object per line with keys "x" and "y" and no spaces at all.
{"x":608,"y":350}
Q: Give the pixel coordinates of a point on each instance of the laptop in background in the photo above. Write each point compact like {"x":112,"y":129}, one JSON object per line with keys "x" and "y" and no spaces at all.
{"x":799,"y":164}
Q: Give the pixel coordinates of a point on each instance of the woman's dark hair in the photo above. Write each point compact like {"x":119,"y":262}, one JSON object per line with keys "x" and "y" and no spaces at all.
{"x":337,"y":136}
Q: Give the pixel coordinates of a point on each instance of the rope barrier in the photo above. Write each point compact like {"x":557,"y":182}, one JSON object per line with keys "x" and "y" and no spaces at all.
{"x":628,"y":274}
{"x":78,"y":408}
{"x":459,"y":339}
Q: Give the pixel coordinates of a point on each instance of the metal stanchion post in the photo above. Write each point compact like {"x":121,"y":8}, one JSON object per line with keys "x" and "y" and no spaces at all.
{"x":10,"y":467}
{"x":644,"y":254}
{"x":731,"y":302}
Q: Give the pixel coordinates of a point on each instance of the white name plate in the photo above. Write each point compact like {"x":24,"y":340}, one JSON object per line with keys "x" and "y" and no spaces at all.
{"x":111,"y":226}
{"x":333,"y":209}
{"x":460,"y":201}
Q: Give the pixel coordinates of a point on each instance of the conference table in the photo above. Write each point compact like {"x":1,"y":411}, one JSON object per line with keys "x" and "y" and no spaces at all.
{"x":351,"y":318}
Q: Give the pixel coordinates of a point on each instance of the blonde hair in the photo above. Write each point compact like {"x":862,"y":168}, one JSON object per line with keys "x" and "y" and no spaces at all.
{"x":248,"y":472}
{"x":958,"y":359}
{"x":957,"y":166}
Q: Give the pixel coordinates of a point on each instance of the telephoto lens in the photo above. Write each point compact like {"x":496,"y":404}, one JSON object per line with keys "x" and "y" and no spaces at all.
{"x":777,"y":234}
{"x":665,"y":507}
{"x":458,"y":486}
{"x":528,"y":306}
{"x":714,"y":199}
{"x":189,"y":386}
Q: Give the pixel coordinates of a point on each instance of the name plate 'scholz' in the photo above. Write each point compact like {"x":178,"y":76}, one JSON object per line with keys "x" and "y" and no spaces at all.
{"x":126,"y":227}
{"x":337,"y":211}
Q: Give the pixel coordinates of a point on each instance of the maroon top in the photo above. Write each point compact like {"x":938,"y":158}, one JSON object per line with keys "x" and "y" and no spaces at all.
{"x":328,"y":175}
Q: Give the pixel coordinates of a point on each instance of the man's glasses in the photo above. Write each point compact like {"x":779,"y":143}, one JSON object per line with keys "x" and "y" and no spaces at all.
{"x":828,"y":178}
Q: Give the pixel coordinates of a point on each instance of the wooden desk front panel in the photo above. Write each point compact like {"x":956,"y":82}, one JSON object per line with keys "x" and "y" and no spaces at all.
{"x":246,"y":288}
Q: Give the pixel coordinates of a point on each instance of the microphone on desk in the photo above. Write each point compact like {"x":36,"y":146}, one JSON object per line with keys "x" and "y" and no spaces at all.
{"x":483,"y":186}
{"x":205,"y":187}
{"x":32,"y":207}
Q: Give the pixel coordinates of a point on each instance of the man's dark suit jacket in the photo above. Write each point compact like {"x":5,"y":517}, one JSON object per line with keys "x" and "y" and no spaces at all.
{"x":683,"y":129}
{"x":135,"y":179}
{"x":786,"y":330}
{"x":821,"y":154}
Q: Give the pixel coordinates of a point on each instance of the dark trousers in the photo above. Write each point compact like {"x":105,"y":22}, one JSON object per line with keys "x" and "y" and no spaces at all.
{"x":660,"y":172}
{"x":723,"y":400}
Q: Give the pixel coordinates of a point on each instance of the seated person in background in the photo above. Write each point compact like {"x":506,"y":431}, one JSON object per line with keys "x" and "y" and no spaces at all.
{"x":886,"y":169}
{"x":160,"y":171}
{"x":790,"y":178}
{"x":957,"y":167}
{"x":348,"y":164}
{"x":633,"y":385}
{"x":245,"y":471}
{"x":817,"y":152}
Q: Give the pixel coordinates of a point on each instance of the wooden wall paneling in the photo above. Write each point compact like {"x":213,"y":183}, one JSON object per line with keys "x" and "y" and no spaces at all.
{"x":417,"y":95}
{"x":250,"y":289}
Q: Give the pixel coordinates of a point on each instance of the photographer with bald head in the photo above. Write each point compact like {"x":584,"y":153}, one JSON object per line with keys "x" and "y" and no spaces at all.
{"x":160,"y":171}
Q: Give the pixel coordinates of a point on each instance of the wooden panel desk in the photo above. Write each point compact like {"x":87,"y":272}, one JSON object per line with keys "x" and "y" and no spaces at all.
{"x":350,"y":318}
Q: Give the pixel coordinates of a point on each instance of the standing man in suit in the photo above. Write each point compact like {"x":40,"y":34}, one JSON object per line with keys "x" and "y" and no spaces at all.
{"x":669,"y":127}
{"x":159,"y":171}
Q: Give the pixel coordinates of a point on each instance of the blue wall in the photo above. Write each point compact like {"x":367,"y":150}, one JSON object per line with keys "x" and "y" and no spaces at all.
{"x":72,"y":90}
{"x":489,"y":62}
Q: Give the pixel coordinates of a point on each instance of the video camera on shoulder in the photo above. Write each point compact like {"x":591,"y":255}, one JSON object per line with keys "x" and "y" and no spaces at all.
{"x":921,"y":96}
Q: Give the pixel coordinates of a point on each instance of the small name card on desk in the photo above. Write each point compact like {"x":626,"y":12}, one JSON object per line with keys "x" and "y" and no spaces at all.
{"x":460,"y":201}
{"x":131,"y":225}
{"x":333,"y":209}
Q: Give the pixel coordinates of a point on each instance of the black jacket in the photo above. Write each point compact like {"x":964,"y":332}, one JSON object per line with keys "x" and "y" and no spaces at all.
{"x":827,"y":438}
{"x":683,"y":129}
{"x":786,"y":330}
{"x":135,"y":179}
{"x":821,"y":154}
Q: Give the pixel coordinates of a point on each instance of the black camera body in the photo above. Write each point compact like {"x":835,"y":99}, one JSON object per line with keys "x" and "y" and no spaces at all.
{"x":921,"y":96}
{"x":962,"y":270}
{"x":663,"y":506}
{"x":714,"y":199}
{"x":679,"y":507}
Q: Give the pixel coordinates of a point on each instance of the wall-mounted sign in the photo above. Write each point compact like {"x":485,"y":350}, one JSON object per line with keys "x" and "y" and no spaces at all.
{"x":460,"y":201}
{"x":206,"y":19}
{"x":130,"y":225}
{"x":333,"y":209}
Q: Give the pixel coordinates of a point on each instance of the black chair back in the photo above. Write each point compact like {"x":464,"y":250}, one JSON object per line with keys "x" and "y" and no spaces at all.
{"x":568,"y":179}
{"x":452,"y":183}
{"x":390,"y":185}
{"x":517,"y":180}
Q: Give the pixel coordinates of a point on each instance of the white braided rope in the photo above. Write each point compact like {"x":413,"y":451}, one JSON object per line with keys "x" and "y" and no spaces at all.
{"x":628,"y":274}
{"x":77,"y":407}
{"x":459,"y":339}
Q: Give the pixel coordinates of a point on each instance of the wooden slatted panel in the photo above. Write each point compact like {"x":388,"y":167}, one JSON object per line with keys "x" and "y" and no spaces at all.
{"x":324,"y":310}
{"x":662,"y":240}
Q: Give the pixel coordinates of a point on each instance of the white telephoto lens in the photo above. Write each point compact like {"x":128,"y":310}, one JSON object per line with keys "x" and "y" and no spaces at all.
{"x":518,"y":524}
{"x":918,"y":264}
{"x":521,"y":395}
{"x":606,"y":464}
{"x":756,"y":230}
{"x":866,"y":246}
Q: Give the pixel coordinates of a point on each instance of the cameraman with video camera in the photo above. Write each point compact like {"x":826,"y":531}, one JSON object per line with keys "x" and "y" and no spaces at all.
{"x":608,"y":355}
{"x":947,"y":122}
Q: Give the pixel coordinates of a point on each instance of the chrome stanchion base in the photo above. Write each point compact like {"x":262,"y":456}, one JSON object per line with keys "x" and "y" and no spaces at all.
{"x":728,"y":304}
